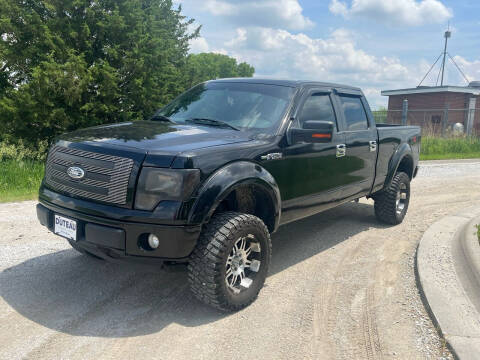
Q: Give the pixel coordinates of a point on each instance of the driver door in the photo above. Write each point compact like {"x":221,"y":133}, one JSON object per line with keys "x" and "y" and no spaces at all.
{"x":311,"y":175}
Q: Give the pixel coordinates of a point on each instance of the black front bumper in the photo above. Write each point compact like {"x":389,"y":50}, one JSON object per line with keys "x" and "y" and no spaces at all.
{"x":114,"y":239}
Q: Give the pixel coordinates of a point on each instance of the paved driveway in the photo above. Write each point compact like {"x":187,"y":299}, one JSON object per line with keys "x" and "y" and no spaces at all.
{"x":341,"y":286}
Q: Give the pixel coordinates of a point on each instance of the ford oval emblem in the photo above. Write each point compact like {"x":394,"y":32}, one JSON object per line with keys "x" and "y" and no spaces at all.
{"x":75,"y":172}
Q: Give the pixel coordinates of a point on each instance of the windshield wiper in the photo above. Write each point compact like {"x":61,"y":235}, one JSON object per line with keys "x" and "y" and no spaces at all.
{"x":162,"y":118}
{"x":205,"y":121}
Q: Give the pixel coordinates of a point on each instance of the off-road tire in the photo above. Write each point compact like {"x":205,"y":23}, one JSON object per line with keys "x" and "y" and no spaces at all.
{"x":82,"y":251}
{"x":386,"y":209}
{"x":208,"y":262}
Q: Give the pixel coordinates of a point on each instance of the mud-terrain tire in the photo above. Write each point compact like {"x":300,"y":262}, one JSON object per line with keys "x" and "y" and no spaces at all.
{"x":391,"y":204}
{"x":230,"y":245}
{"x":82,"y":251}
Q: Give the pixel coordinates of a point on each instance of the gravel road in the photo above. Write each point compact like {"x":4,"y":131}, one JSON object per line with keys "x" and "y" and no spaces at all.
{"x":341,"y":286}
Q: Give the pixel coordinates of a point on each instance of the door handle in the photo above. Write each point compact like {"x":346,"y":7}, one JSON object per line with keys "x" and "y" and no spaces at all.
{"x":341,"y":150}
{"x":373,"y":145}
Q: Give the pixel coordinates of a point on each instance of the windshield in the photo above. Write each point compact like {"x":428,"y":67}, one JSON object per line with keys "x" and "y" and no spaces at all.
{"x":241,"y":105}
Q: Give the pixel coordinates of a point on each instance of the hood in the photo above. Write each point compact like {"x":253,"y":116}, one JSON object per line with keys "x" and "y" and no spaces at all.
{"x":157,"y":137}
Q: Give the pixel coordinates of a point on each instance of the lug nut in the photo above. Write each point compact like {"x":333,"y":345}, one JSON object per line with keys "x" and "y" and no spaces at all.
{"x":153,"y":241}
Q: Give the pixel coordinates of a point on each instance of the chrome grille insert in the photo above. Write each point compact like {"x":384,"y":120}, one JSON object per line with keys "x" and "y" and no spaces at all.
{"x":106,"y":176}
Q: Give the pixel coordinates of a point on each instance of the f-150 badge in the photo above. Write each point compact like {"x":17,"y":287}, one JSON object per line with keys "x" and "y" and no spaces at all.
{"x":272,"y":156}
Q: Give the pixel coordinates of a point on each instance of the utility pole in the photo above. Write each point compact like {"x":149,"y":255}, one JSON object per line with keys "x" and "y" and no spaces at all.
{"x":448,"y":33}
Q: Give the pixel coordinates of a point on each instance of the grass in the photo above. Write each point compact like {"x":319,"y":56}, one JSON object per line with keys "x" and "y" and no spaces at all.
{"x":435,"y":148}
{"x":20,"y":179}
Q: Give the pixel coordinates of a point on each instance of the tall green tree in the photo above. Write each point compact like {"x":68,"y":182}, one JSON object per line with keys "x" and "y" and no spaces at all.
{"x":66,"y":64}
{"x":207,"y":66}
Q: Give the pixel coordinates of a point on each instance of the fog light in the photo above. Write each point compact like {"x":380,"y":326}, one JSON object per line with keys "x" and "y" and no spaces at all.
{"x":153,"y":241}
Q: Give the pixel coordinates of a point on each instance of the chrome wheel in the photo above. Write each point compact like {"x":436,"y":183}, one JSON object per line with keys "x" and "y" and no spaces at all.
{"x":243,"y":264}
{"x":401,"y":198}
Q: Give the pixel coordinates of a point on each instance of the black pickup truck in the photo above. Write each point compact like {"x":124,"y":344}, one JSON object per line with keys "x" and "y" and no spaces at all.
{"x":210,"y":176}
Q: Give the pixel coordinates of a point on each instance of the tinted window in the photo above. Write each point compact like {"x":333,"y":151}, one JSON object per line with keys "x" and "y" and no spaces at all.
{"x":355,"y":115}
{"x":243,"y":105}
{"x":317,"y":107}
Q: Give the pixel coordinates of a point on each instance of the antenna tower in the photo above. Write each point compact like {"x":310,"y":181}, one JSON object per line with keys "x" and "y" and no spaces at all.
{"x":444,"y":56}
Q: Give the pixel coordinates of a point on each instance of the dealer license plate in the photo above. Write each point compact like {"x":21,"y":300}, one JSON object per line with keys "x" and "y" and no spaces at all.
{"x":65,"y":227}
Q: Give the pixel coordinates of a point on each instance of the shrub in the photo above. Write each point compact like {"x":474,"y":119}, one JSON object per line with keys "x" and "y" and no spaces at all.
{"x":20,"y":152}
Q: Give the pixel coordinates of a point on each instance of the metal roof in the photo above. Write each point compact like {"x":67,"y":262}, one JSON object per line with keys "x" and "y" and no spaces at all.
{"x":432,"y":89}
{"x":291,"y":83}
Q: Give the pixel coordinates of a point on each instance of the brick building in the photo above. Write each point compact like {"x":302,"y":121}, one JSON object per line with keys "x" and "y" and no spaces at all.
{"x":436,"y":108}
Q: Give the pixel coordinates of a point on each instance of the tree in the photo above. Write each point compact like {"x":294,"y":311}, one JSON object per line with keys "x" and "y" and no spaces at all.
{"x":207,"y":66}
{"x":66,"y":64}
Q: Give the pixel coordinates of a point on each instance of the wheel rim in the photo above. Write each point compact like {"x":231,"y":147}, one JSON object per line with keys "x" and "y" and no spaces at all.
{"x":402,"y":195}
{"x":243,"y":264}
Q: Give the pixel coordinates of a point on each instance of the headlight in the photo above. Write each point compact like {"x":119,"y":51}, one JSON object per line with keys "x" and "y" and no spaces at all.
{"x":156,"y":184}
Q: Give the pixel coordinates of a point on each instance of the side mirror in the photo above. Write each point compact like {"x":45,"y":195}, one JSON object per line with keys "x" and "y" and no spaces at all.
{"x":313,"y":131}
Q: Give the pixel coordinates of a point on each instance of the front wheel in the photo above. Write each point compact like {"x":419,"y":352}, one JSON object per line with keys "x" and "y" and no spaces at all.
{"x":391,"y":204}
{"x":228,"y":267}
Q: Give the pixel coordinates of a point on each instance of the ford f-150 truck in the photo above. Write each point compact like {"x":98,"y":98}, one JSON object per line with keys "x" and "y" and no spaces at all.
{"x":210,"y":176}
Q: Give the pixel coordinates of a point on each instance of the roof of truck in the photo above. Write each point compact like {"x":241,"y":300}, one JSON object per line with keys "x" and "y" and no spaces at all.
{"x":291,"y":83}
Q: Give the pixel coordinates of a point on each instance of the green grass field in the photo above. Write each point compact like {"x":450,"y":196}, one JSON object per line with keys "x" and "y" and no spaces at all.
{"x":20,"y":179}
{"x":434,"y":148}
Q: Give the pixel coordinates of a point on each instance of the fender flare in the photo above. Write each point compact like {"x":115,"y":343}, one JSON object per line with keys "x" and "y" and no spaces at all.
{"x":224,"y":180}
{"x":402,"y":152}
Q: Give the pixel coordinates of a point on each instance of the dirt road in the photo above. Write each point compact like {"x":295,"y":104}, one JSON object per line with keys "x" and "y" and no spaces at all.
{"x":341,"y":286}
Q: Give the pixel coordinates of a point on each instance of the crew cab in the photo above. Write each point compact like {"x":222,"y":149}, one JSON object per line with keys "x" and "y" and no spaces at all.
{"x":209,"y":177}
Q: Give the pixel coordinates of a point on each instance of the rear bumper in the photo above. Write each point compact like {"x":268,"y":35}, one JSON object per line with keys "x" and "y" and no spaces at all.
{"x":114,"y":239}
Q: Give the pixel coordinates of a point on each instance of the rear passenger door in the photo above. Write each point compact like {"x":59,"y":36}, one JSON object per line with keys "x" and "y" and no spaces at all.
{"x":361,"y":143}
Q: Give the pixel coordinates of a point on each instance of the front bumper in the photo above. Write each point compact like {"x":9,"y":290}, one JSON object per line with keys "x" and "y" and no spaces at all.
{"x":114,"y":239}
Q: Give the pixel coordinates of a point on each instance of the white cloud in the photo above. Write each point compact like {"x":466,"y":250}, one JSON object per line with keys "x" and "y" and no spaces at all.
{"x":268,"y":13}
{"x":279,"y":53}
{"x":338,"y":8}
{"x":199,"y":45}
{"x":470,"y":68}
{"x":394,"y":12}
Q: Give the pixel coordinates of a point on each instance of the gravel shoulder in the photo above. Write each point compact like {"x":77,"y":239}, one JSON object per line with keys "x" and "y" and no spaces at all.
{"x":341,"y":286}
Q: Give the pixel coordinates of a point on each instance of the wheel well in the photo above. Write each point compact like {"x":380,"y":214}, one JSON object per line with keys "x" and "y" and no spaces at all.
{"x":250,"y":199}
{"x":406,"y":166}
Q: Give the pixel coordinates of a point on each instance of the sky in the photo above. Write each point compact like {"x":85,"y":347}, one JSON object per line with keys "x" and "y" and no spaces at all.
{"x":373,"y":44}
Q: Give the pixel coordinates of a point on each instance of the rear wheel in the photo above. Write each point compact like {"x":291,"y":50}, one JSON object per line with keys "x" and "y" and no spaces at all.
{"x":230,"y":263}
{"x":391,"y":204}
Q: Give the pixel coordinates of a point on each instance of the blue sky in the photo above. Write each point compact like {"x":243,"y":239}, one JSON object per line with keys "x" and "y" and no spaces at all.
{"x":374,"y":44}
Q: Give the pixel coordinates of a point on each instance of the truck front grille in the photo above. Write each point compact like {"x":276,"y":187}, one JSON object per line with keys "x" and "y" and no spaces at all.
{"x":105,"y":176}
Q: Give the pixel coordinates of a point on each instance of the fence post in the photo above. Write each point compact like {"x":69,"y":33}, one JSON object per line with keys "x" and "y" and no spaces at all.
{"x":404,"y":112}
{"x":471,"y":115}
{"x":445,"y":120}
